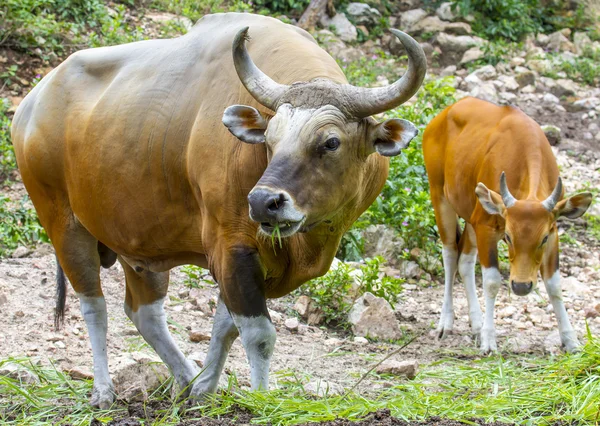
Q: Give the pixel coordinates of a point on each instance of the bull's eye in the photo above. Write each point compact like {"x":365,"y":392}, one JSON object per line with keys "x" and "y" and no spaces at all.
{"x":332,"y":144}
{"x":508,"y":240}
{"x":545,"y":240}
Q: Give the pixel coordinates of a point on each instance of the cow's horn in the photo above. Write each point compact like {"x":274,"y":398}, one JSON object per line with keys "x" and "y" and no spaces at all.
{"x":507,"y":197}
{"x":366,"y":101}
{"x":550,"y":202}
{"x":260,"y":86}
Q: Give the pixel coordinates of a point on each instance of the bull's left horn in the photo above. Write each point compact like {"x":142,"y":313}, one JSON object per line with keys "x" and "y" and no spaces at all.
{"x":550,"y":202}
{"x":260,"y":86}
{"x":507,"y":197}
{"x":366,"y":102}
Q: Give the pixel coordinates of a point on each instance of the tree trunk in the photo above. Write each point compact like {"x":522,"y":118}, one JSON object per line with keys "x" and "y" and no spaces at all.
{"x":313,"y":13}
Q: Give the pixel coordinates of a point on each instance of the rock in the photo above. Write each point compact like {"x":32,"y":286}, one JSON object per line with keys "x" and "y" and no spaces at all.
{"x":539,"y":65}
{"x":509,"y":83}
{"x":573,"y":287}
{"x":323,"y":388}
{"x":517,"y":61}
{"x":137,"y":375}
{"x":309,"y":310}
{"x":407,"y":368}
{"x":486,"y":91}
{"x":80,"y":373}
{"x":431,"y":24}
{"x":587,"y":103}
{"x":444,"y":12}
{"x":341,"y":26}
{"x":163,"y":17}
{"x":471,"y":55}
{"x":553,"y":134}
{"x":525,"y":78}
{"x":549,"y":98}
{"x":20,"y":252}
{"x":18,"y":372}
{"x":349,"y":54}
{"x":363,"y":14}
{"x":592,"y":312}
{"x":373,"y":317}
{"x":507,"y":97}
{"x":487,"y":72}
{"x":542,"y":39}
{"x":458,"y":28}
{"x":582,"y":42}
{"x":197,"y":336}
{"x":410,"y":18}
{"x":410,"y":269}
{"x":292,"y":324}
{"x":302,"y":305}
{"x":559,"y":43}
{"x":449,"y":70}
{"x":359,"y":340}
{"x":450,"y":43}
{"x":381,"y":240}
{"x":552,"y":342}
{"x":276,"y":317}
{"x":564,"y":87}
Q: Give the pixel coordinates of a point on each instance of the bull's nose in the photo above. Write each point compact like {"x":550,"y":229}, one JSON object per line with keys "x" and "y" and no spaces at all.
{"x":521,"y":289}
{"x":266,"y":204}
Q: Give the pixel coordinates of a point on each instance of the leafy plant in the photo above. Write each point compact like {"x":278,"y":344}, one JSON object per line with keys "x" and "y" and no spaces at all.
{"x":584,"y":68}
{"x":287,"y":7}
{"x":193,"y":276}
{"x":8,"y":162}
{"x":19,"y":225}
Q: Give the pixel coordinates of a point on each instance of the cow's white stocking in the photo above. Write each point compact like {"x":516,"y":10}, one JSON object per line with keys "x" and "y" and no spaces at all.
{"x":223,"y":335}
{"x":568,"y":336}
{"x":450,"y":257}
{"x":466,"y":268}
{"x":93,"y":310}
{"x":151,"y":322}
{"x":492,"y":280}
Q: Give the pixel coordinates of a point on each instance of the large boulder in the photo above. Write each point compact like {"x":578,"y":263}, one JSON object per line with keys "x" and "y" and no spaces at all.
{"x":582,"y":42}
{"x":564,"y":87}
{"x":381,"y":240}
{"x":363,"y":14}
{"x":444,"y":11}
{"x":373,"y":317}
{"x":430,"y":24}
{"x":341,"y":26}
{"x":559,"y":43}
{"x":453,"y":47}
{"x":410,"y":18}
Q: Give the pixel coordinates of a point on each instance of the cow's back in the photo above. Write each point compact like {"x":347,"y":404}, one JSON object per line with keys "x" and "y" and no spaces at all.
{"x":129,"y":138}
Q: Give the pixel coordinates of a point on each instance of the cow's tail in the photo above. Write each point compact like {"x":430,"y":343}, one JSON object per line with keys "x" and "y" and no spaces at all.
{"x":61,"y":296}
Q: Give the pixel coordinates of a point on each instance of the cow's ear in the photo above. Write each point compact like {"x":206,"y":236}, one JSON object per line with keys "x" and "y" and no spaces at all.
{"x":392,"y":136}
{"x":245,"y":123}
{"x":573,"y":207}
{"x":490,"y":201}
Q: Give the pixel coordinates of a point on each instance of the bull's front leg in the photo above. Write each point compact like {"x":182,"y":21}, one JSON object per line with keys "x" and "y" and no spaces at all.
{"x":492,"y":280}
{"x":551,"y":276}
{"x":242,"y":309}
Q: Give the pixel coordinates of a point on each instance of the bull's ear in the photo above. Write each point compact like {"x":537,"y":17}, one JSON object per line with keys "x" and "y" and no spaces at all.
{"x":392,"y":136}
{"x":245,"y":123}
{"x":490,"y":201}
{"x":574,"y":206}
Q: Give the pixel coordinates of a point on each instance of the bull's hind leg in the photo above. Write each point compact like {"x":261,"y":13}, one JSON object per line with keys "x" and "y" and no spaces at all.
{"x":447,"y":223}
{"x":77,"y":253}
{"x":466,"y":269}
{"x":144,"y":299}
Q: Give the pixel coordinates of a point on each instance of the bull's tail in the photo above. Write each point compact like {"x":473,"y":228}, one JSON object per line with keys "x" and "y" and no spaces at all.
{"x":61,"y":296}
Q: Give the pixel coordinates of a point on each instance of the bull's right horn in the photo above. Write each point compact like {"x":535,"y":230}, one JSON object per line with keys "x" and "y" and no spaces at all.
{"x":507,"y":197}
{"x":365,"y":102}
{"x":550,"y":202}
{"x":260,"y":86}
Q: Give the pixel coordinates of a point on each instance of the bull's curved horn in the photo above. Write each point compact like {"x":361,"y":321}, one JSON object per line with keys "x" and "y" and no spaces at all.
{"x":260,"y":86}
{"x":366,"y":101}
{"x":507,"y":197}
{"x":550,"y":202}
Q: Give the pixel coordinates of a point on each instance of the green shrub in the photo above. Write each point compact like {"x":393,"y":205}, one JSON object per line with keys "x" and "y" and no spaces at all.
{"x":19,"y":225}
{"x":286,"y":7}
{"x":584,"y":68}
{"x":8,"y":162}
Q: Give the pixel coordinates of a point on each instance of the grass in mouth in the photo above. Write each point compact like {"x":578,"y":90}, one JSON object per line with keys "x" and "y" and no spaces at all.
{"x":277,"y":233}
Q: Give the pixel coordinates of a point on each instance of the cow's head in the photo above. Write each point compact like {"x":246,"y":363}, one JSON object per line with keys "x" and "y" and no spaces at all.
{"x":319,"y":139}
{"x":530,"y":227}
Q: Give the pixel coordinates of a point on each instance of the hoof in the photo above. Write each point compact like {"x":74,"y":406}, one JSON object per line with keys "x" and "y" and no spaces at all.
{"x":103,"y":397}
{"x":571,"y":344}
{"x":488,"y":342}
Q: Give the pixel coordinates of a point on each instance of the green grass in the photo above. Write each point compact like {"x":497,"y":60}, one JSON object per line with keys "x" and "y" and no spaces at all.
{"x":524,"y":390}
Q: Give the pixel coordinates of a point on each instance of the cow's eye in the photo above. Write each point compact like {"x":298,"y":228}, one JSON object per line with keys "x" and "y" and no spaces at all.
{"x":332,"y":144}
{"x":545,"y":240}
{"x":508,"y":240}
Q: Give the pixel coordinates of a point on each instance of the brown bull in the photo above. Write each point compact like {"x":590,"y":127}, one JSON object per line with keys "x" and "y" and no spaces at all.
{"x":493,"y":167}
{"x":124,"y":154}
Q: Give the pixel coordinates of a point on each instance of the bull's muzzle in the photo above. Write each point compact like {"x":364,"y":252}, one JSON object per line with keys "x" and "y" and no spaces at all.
{"x":273,"y":208}
{"x":520,"y":288}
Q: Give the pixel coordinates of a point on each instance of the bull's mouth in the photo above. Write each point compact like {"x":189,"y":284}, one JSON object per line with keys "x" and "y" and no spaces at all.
{"x":282,"y":229}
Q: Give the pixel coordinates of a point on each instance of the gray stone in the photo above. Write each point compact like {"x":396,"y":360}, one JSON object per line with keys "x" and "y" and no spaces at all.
{"x":340,"y":25}
{"x":471,"y":55}
{"x":323,"y":388}
{"x":80,"y":373}
{"x":406,"y":368}
{"x":553,"y":134}
{"x":410,"y":269}
{"x":373,"y":317}
{"x":137,"y":375}
{"x":20,"y":252}
{"x":18,"y":372}
{"x":587,"y":103}
{"x":486,"y":91}
{"x":582,"y":42}
{"x":363,"y":14}
{"x":508,"y":83}
{"x":308,"y":309}
{"x":458,"y":28}
{"x":550,"y":98}
{"x":444,"y":12}
{"x":292,"y":324}
{"x":487,"y":72}
{"x":449,"y":70}
{"x":539,"y":65}
{"x":381,"y":240}
{"x":564,"y":87}
{"x":459,"y":44}
{"x":525,"y":78}
{"x":410,"y":18}
{"x":431,"y":24}
{"x":559,"y":43}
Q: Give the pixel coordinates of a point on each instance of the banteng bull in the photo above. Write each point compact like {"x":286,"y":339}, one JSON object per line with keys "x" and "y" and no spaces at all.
{"x":493,"y":167}
{"x":124,"y":154}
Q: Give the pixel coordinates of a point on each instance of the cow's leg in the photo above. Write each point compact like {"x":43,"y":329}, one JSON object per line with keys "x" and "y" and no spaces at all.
{"x":77,"y":253}
{"x":448,"y":227}
{"x":466,"y":269}
{"x":144,"y":299}
{"x":551,"y":276}
{"x":223,"y":335}
{"x":487,"y":243}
